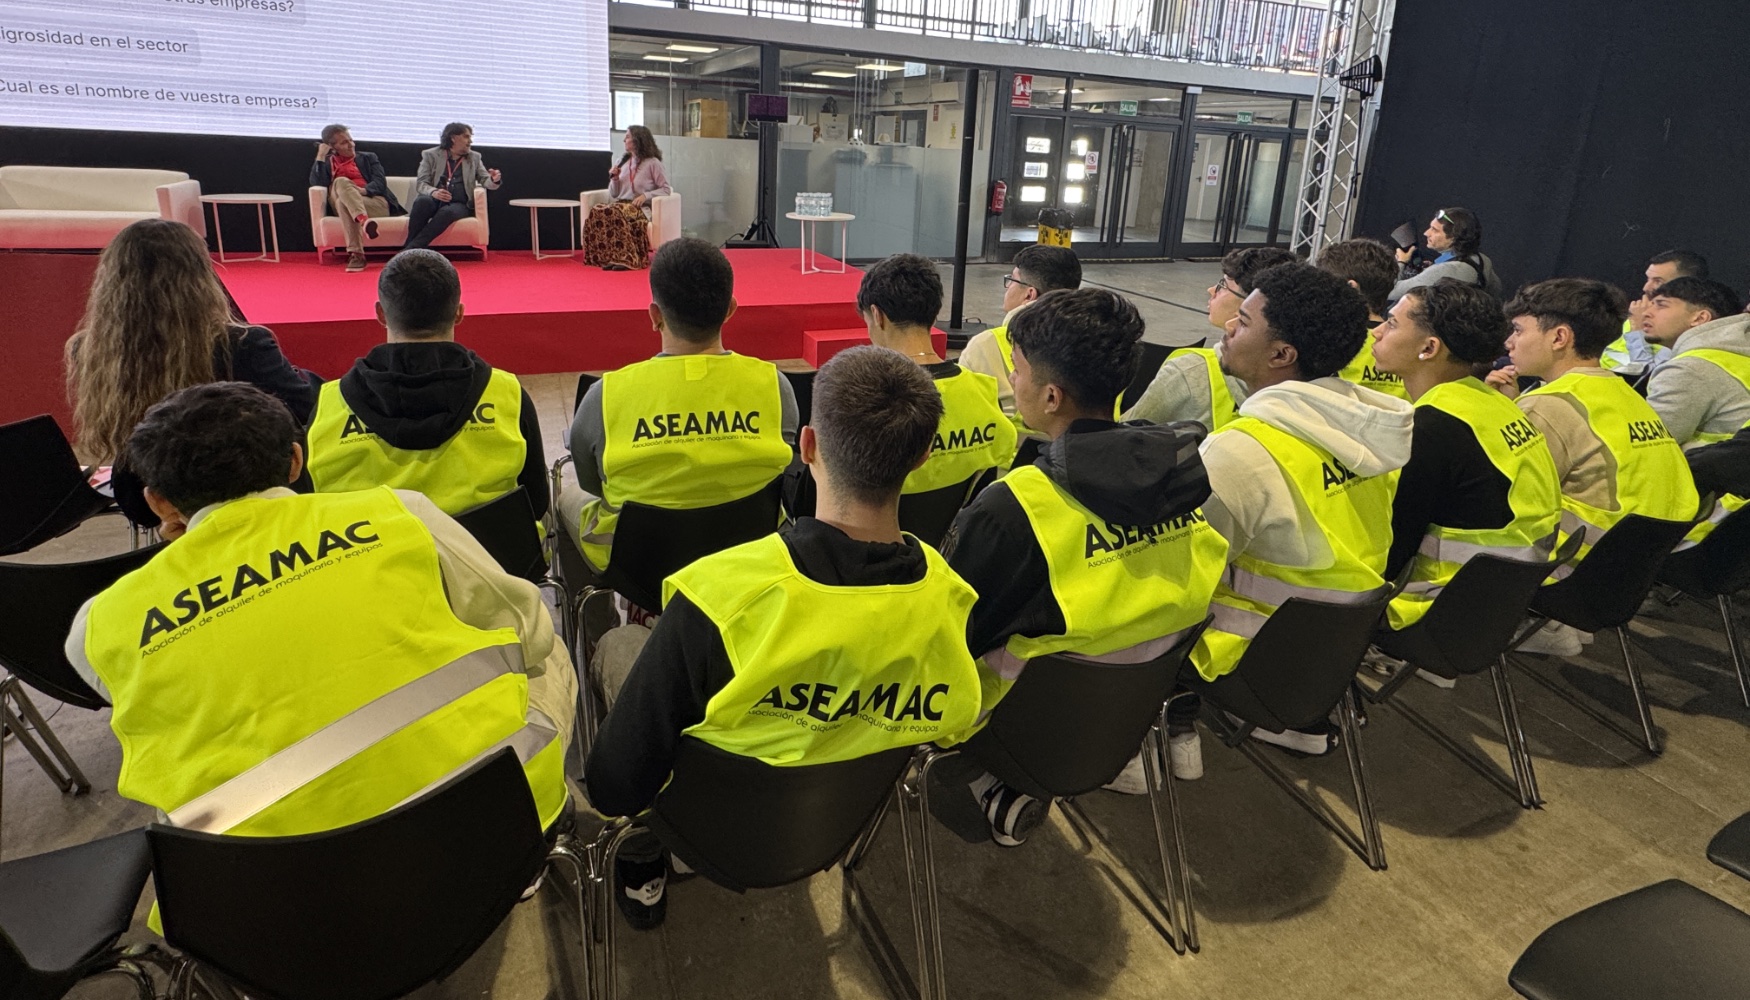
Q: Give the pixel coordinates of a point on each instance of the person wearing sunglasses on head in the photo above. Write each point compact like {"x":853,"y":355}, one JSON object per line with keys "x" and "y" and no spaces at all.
{"x":1190,"y":384}
{"x":1456,"y":237}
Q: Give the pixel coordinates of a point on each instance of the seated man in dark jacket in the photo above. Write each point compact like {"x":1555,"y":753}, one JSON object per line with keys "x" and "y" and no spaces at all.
{"x":422,"y":412}
{"x":358,"y":189}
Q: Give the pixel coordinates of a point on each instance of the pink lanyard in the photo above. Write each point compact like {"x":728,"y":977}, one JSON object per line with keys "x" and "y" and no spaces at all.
{"x":450,"y":171}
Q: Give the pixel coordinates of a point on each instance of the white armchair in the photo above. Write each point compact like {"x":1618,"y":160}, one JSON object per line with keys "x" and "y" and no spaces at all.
{"x":78,"y":208}
{"x":392,"y":229}
{"x":665,"y":214}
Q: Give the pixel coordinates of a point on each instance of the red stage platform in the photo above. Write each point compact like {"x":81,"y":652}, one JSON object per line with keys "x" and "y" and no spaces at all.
{"x":533,"y":317}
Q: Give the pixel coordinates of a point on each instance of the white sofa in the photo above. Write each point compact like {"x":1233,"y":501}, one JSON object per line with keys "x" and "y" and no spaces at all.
{"x":82,"y":208}
{"x":392,"y":229}
{"x":665,"y":214}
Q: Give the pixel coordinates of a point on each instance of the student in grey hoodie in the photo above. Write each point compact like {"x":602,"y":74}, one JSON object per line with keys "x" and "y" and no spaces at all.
{"x":1303,"y":482}
{"x":1702,"y":391}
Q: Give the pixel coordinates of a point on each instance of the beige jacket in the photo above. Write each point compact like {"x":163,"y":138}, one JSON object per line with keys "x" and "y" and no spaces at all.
{"x":1585,"y":467}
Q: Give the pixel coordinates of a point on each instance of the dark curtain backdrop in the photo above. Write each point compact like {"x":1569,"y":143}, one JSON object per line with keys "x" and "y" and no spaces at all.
{"x":242,"y":164}
{"x":1588,"y":135}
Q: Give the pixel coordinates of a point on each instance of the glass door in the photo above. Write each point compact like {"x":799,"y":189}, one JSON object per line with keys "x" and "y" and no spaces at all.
{"x":1141,"y":200}
{"x":1233,"y":193}
{"x":1036,"y":154}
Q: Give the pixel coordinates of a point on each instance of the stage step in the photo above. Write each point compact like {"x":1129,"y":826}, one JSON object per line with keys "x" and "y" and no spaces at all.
{"x":819,"y":345}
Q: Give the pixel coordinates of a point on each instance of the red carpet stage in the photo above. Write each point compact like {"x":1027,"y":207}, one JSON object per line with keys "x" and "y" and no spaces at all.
{"x":533,"y":317}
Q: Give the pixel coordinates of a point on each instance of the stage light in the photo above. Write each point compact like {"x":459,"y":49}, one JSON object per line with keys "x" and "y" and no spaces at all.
{"x":654,"y":57}
{"x":703,"y":50}
{"x":836,"y":74}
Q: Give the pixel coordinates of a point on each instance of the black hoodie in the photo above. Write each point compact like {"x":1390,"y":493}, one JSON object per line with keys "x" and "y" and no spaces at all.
{"x":1127,"y":474}
{"x":416,"y":395}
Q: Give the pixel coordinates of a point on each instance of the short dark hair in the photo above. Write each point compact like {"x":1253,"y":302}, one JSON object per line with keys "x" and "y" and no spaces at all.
{"x":1049,"y":268}
{"x":1689,"y":263}
{"x":692,"y":283}
{"x":1464,"y":229}
{"x":1702,"y":293}
{"x":330,"y":131}
{"x":1314,"y":312}
{"x":875,"y":415}
{"x":906,"y":287}
{"x":1244,"y":266}
{"x":212,"y":442}
{"x":1367,"y":263}
{"x":1084,"y":341}
{"x":1467,"y":319}
{"x":419,"y":290}
{"x":452,"y":130}
{"x":1592,"y":309}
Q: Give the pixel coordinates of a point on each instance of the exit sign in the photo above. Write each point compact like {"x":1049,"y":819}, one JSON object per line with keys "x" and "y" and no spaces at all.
{"x":1245,"y":117}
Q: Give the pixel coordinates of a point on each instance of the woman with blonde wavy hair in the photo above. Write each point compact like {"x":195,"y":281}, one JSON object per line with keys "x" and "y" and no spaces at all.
{"x":158,"y":321}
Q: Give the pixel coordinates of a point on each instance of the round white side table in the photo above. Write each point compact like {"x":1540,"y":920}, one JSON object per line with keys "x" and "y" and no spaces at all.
{"x":811,"y":240}
{"x":534,"y":205}
{"x":265,"y":225}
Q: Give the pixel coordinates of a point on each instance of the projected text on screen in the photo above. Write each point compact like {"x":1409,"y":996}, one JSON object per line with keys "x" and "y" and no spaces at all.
{"x":533,"y":73}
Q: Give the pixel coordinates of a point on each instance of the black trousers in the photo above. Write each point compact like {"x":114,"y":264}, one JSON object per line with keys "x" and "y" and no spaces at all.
{"x":428,"y":218}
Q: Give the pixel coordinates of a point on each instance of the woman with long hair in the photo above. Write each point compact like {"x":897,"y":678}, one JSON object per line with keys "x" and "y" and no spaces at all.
{"x":158,"y":320}
{"x":617,"y":235}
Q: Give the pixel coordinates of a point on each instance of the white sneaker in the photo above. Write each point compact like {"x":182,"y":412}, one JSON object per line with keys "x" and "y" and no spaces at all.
{"x":1445,"y":683}
{"x":1311,"y":744}
{"x":1186,"y":752}
{"x":1380,"y":663}
{"x":1133,"y":780}
{"x":1554,"y":639}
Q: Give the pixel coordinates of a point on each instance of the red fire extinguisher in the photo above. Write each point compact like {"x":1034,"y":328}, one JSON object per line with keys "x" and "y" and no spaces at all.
{"x":999,"y":193}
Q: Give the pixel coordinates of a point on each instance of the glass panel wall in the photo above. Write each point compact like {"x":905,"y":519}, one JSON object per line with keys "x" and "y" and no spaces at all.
{"x":691,"y":95}
{"x":1244,"y":109}
{"x":885,"y":138}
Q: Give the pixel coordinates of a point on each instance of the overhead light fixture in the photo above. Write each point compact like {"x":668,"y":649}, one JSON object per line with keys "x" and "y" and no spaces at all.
{"x":654,"y":57}
{"x":880,"y":67}
{"x":1163,"y":99}
{"x":836,"y":74}
{"x":812,"y":86}
{"x":703,"y":50}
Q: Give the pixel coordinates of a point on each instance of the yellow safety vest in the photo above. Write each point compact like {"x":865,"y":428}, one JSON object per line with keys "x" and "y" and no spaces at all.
{"x":1222,"y":408}
{"x":825,"y":673}
{"x":1617,"y":354}
{"x":1652,"y":476}
{"x":1351,"y":511}
{"x":480,"y":462}
{"x":1362,"y":370}
{"x":1737,"y":366}
{"x":1515,"y":447}
{"x":1126,"y":591}
{"x":973,"y":436}
{"x":683,"y":432}
{"x":291,"y":665}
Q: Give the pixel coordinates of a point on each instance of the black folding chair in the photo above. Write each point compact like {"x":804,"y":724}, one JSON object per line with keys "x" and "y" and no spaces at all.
{"x":1730,"y":848}
{"x":1713,"y":570}
{"x":61,"y":914}
{"x":39,"y":600}
{"x":366,"y":912}
{"x":44,"y":493}
{"x":1148,"y":365}
{"x":1067,"y":728}
{"x":1298,"y":669}
{"x":1469,"y":628}
{"x":506,"y":528}
{"x":745,"y":824}
{"x":929,"y":515}
{"x":1604,"y":591}
{"x":1668,"y":941}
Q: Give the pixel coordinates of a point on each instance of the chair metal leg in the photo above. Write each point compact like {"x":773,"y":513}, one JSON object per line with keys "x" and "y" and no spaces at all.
{"x":608,"y":913}
{"x":860,"y":848}
{"x":568,"y":851}
{"x":55,"y":761}
{"x":1635,"y":687}
{"x":1358,"y":776}
{"x":1728,"y":615}
{"x":1154,"y":765}
{"x":931,"y":899}
{"x":1178,"y":828}
{"x":920,"y":919}
{"x":1513,"y":733}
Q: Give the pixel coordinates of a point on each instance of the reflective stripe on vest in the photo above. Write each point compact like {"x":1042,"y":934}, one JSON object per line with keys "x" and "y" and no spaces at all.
{"x":1652,"y":476}
{"x":1516,"y":448}
{"x":1353,"y":515}
{"x":974,"y":434}
{"x":1124,"y":590}
{"x":1362,"y":370}
{"x":827,"y":673}
{"x":1222,"y":408}
{"x":292,"y":665}
{"x":682,"y":432}
{"x":480,"y":462}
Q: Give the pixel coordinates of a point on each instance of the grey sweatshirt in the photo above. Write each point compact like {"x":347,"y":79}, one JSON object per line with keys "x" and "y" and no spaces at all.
{"x":1695,"y":396}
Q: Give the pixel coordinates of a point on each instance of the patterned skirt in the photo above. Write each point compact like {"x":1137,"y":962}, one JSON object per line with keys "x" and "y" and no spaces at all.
{"x":617,"y":235}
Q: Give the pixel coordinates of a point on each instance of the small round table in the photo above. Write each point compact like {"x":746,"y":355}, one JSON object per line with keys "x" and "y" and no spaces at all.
{"x":811,"y":240}
{"x":265,"y":225}
{"x":534,"y":205}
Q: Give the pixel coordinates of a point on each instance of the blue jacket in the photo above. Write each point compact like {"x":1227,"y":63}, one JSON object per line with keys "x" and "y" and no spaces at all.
{"x":376,"y":181}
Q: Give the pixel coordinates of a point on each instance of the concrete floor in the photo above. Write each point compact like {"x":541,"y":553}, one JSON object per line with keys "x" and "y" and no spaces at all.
{"x":1283,"y":906}
{"x":1171,"y":297}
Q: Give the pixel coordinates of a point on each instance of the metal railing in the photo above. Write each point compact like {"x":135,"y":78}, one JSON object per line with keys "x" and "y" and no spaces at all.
{"x":1258,"y":34}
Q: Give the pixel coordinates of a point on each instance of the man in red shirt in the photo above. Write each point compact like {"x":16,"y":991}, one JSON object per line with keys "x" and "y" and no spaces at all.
{"x":358,"y":190}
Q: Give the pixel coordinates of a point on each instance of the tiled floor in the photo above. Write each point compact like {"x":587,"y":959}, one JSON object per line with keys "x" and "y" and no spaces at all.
{"x":1285,"y":909}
